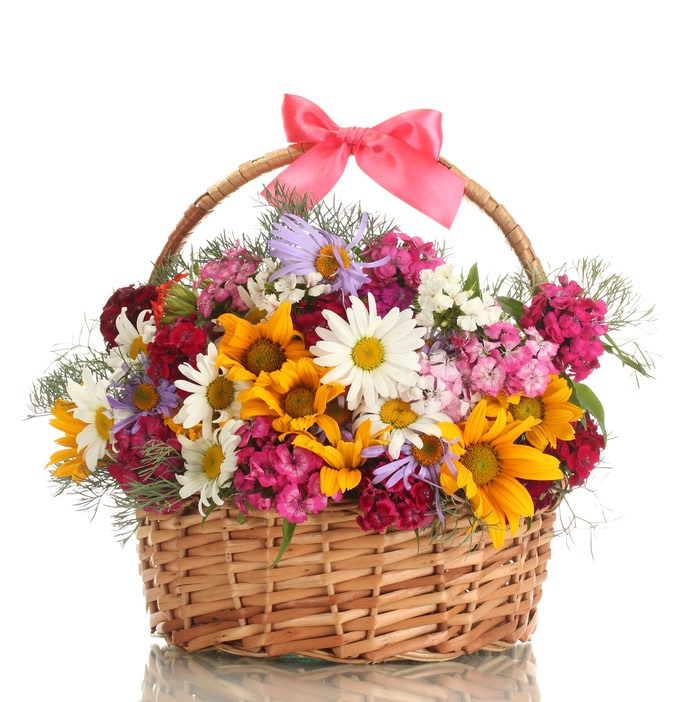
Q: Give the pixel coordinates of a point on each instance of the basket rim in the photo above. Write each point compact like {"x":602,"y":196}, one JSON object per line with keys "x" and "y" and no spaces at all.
{"x":215,"y":194}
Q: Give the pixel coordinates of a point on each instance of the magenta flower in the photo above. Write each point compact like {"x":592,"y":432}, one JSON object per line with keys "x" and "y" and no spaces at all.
{"x":295,"y":465}
{"x":575,"y":323}
{"x":295,"y":502}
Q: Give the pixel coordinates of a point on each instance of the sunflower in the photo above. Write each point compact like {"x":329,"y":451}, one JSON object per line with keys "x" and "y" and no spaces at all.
{"x":553,"y":410}
{"x":342,"y":459}
{"x":69,"y":461}
{"x":490,"y":465}
{"x":260,"y":348}
{"x":294,"y":397}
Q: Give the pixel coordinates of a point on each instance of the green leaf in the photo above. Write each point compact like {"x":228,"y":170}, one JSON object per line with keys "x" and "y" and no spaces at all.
{"x":585,"y":397}
{"x":511,"y":306}
{"x":472,"y":282}
{"x":612,"y":348}
{"x":288,"y":532}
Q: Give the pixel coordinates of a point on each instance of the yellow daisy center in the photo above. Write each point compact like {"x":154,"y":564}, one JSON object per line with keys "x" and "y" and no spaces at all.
{"x":138,"y":346}
{"x":326,"y":263}
{"x":213,"y":459}
{"x":368,"y":353}
{"x":299,"y":402}
{"x":527,"y":407}
{"x":103,"y":424}
{"x":397,"y":413}
{"x":220,"y":393}
{"x":264,"y":355}
{"x":338,"y":412}
{"x":482,"y":462}
{"x":145,"y":397}
{"x":431,"y":452}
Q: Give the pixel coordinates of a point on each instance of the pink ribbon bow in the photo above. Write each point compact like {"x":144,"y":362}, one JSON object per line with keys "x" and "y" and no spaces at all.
{"x":400,"y":154}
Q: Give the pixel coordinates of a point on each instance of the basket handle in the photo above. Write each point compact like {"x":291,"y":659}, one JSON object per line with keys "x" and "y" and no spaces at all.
{"x":273,"y":160}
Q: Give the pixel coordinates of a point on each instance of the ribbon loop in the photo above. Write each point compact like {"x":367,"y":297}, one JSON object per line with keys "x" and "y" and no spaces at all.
{"x":400,"y":154}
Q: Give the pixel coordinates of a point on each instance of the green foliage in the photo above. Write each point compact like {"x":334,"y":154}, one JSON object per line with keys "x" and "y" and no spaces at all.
{"x":288,"y":532}
{"x":68,"y":365}
{"x":583,"y":396}
{"x":626,"y":312}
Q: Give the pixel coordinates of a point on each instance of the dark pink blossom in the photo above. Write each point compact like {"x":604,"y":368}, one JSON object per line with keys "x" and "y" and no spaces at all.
{"x":575,"y":323}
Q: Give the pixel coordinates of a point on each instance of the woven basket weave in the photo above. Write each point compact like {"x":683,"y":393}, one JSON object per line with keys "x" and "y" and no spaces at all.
{"x":338,"y":593}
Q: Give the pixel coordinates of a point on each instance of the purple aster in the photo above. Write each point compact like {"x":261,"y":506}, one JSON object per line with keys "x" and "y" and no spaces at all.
{"x":408,"y":465}
{"x":304,"y":249}
{"x":143,"y":397}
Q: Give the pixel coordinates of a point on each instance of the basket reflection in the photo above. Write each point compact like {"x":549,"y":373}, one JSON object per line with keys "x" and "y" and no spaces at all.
{"x":172,"y":675}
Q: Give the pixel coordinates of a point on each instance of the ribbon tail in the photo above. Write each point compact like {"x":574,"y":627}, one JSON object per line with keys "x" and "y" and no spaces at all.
{"x":314,"y":173}
{"x":416,"y":179}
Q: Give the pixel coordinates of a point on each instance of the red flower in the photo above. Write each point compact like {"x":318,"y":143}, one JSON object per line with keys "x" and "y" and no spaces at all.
{"x":309,"y":315}
{"x":131,"y":447}
{"x":379,"y":512}
{"x":578,"y":457}
{"x":135,"y":299}
{"x":175,"y":343}
{"x":583,"y":453}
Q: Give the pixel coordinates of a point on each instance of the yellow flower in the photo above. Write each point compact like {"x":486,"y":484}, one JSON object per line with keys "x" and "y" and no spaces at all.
{"x":263,"y":347}
{"x":553,"y":410}
{"x":294,"y":397}
{"x":490,"y":465}
{"x":341,"y":461}
{"x":69,"y":462}
{"x":192,"y":433}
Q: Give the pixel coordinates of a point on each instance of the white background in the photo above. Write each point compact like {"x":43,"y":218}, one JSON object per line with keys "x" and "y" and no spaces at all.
{"x":115,"y":116}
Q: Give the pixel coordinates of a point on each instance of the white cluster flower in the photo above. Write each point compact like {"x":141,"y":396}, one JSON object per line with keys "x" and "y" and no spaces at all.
{"x":439,"y":291}
{"x":288,"y":288}
{"x":442,"y":289}
{"x":313,"y":284}
{"x":479,"y":312}
{"x":427,"y":395}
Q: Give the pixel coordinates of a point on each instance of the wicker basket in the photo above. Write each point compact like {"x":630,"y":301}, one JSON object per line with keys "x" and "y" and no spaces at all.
{"x":338,"y":593}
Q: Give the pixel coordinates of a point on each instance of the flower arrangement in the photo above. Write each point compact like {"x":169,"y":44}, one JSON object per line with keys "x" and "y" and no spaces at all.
{"x":335,"y":357}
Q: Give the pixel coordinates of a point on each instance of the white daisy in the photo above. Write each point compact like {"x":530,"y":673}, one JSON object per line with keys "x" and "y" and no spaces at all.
{"x":132,"y":340}
{"x":368,"y":353}
{"x":93,"y":408}
{"x":210,"y":462}
{"x":399,"y":423}
{"x":213,"y":392}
